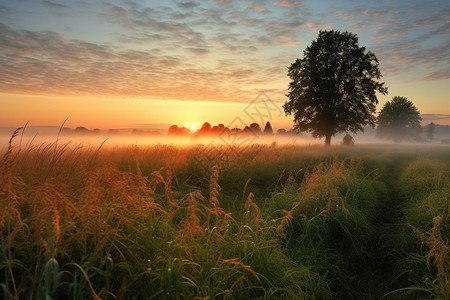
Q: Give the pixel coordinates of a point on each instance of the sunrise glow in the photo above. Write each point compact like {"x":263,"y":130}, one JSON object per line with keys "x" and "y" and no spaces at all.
{"x":224,"y":149}
{"x":150,"y":64}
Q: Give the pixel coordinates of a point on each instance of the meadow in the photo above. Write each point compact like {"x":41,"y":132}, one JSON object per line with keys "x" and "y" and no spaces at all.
{"x":258,"y":222}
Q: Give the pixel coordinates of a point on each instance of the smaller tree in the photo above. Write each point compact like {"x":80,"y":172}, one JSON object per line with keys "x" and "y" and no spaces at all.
{"x":399,"y":120}
{"x":268,"y":128}
{"x":205,"y":129}
{"x":175,"y":130}
{"x":430,"y":131}
{"x":255,"y":128}
{"x":348,"y":140}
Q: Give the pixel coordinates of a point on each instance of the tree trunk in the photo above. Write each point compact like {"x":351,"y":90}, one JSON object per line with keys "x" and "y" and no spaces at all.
{"x":328,"y":140}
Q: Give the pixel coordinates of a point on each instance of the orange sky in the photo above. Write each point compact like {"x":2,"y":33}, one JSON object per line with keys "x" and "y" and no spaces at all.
{"x":141,"y":63}
{"x":431,"y":98}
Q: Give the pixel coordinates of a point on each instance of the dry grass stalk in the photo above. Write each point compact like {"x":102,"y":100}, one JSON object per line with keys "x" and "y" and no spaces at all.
{"x":237,"y":262}
{"x":253,"y":213}
{"x":229,"y":292}
{"x":286,"y":220}
{"x":438,"y":249}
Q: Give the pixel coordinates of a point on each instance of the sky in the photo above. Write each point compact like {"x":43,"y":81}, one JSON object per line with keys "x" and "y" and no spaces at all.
{"x":121,"y":64}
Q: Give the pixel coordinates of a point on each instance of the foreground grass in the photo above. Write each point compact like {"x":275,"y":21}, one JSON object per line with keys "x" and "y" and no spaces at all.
{"x":272,"y":222}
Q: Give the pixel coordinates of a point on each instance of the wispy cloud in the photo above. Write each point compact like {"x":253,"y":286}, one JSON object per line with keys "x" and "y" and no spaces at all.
{"x":55,"y":4}
{"x":257,"y":7}
{"x":442,"y":119}
{"x":208,"y":50}
{"x":288,"y":3}
{"x":293,"y":25}
{"x":288,"y":41}
{"x":45,"y":63}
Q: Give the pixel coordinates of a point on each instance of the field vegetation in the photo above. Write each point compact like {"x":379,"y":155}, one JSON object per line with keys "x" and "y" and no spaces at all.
{"x":268,"y":222}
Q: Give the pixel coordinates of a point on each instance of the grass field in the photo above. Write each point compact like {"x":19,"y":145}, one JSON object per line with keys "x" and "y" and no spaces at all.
{"x":264,"y":222}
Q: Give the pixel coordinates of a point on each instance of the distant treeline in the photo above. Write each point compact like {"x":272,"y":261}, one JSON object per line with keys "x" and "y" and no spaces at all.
{"x":208,"y":130}
{"x":205,"y":130}
{"x":84,"y":130}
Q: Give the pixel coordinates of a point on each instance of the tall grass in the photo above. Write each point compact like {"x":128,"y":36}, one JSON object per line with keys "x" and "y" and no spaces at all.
{"x":331,"y":211}
{"x":271,"y":222}
{"x":79,"y":224}
{"x":421,"y":241}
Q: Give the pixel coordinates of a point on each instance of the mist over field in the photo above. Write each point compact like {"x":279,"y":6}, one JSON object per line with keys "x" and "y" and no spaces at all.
{"x":127,"y":137}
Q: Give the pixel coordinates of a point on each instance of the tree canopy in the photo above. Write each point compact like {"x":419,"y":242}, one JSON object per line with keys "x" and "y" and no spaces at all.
{"x":333,"y":87}
{"x":399,"y":120}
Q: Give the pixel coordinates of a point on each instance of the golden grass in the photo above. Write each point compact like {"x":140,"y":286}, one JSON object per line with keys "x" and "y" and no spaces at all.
{"x":439,"y":251}
{"x":140,"y":222}
{"x":79,"y":207}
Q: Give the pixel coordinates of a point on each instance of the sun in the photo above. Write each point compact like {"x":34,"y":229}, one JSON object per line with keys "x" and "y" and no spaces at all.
{"x":192,"y":126}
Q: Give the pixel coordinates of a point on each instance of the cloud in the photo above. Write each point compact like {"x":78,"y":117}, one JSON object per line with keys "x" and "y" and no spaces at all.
{"x":410,"y":61}
{"x":188,"y":4}
{"x":256,"y":7}
{"x":55,"y":4}
{"x":316,"y":26}
{"x":288,"y":3}
{"x":4,"y":11}
{"x":441,"y":30}
{"x":157,"y":24}
{"x":377,"y":14}
{"x":438,"y":75}
{"x":357,"y":26}
{"x":190,"y":49}
{"x":441,"y":119}
{"x":288,"y":41}
{"x":44,"y":63}
{"x":346,"y":15}
{"x":198,"y":51}
{"x":293,"y":25}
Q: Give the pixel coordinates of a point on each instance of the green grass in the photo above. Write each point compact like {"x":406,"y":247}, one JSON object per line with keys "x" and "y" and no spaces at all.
{"x":269,"y":223}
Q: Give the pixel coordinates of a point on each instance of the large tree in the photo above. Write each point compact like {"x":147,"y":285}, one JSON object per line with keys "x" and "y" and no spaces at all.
{"x":399,"y":120}
{"x":334,"y":85}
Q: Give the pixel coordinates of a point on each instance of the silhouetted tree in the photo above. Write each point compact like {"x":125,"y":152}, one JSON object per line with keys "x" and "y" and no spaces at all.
{"x":255,"y":128}
{"x":281,"y":131}
{"x":175,"y":130}
{"x":205,"y":129}
{"x":268,"y":128}
{"x":81,"y":130}
{"x":399,"y":120}
{"x":333,"y":86}
{"x":348,"y":140}
{"x":218,"y":129}
{"x":430,"y":131}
